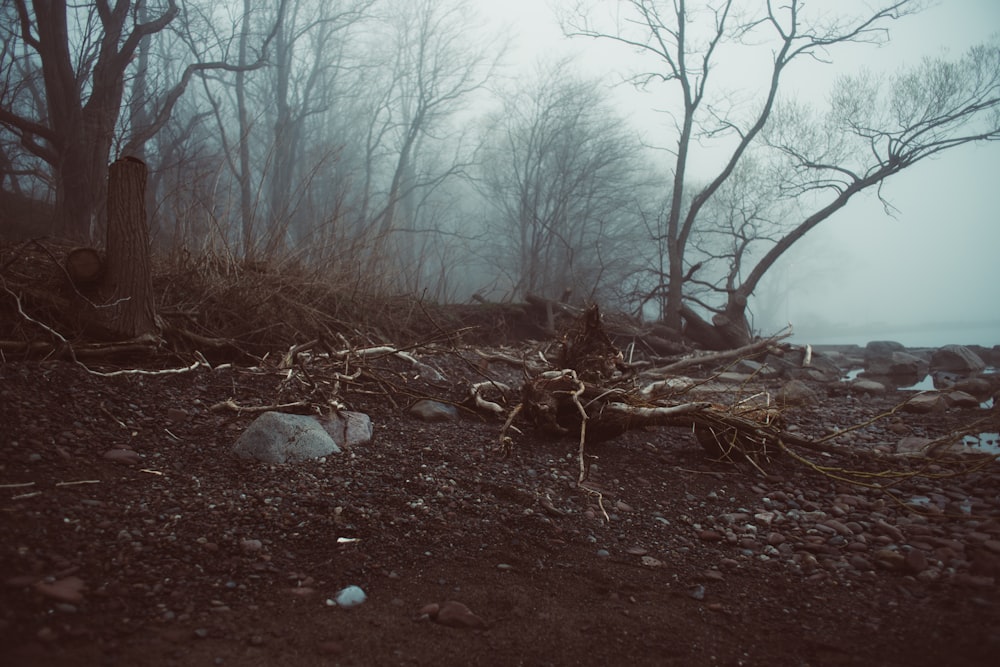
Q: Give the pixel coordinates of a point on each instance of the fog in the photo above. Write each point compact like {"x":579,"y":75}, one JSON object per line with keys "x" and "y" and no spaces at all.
{"x":927,"y":273}
{"x":468,"y":149}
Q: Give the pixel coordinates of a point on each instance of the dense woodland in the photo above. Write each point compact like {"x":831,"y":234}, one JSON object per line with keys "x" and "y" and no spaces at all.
{"x":390,"y":146}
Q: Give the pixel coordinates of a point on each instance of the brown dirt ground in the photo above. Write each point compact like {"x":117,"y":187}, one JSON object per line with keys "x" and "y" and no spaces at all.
{"x":436,"y":516}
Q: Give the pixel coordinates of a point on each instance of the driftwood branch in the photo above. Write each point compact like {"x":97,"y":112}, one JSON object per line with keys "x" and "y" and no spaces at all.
{"x":591,"y":367}
{"x":656,"y":413}
{"x":716,"y":357}
{"x":481,"y":403}
{"x":253,"y":409}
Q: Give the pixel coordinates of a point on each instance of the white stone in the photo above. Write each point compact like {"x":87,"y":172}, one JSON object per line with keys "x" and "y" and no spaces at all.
{"x":350,"y":597}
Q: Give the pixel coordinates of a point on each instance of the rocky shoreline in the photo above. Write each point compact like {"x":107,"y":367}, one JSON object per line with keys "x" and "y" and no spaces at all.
{"x":181,"y":552}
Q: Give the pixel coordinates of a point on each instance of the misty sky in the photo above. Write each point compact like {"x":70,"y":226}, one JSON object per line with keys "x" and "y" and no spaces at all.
{"x":937,"y":260}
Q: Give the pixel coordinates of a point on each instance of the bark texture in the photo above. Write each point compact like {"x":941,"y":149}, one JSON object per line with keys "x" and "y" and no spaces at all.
{"x":131,"y":311}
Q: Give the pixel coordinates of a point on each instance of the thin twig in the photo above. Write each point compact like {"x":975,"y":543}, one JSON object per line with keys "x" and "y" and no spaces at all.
{"x":230,"y":404}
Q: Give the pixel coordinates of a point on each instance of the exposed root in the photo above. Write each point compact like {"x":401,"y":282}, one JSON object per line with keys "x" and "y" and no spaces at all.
{"x":476,"y":393}
{"x":506,"y":443}
{"x":590,"y":396}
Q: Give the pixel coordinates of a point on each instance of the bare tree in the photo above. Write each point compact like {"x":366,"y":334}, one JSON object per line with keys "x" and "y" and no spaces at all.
{"x":72,"y":65}
{"x":71,"y":60}
{"x":688,"y":43}
{"x":437,"y":66}
{"x":560,"y":171}
{"x":874,"y":127}
{"x":748,"y":212}
{"x":308,"y":64}
{"x":877,"y":127}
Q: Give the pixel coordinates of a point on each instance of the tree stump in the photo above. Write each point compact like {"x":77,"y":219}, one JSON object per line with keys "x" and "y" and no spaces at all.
{"x":84,"y":267}
{"x":127,"y":287}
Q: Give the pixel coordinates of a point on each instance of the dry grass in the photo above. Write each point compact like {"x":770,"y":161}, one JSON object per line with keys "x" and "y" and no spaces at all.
{"x":259,"y":307}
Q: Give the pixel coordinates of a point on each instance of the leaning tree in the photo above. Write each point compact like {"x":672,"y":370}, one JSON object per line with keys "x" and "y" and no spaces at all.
{"x":874,"y":129}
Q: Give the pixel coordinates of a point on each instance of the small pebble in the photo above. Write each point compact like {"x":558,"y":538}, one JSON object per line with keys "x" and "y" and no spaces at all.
{"x":350,"y":597}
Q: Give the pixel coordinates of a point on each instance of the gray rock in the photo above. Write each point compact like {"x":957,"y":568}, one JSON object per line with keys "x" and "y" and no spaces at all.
{"x":276,"y":437}
{"x":824,"y":369}
{"x":793,"y":367}
{"x":433,"y":411}
{"x":454,"y":614}
{"x":886,"y":528}
{"x":890,"y":559}
{"x":924,"y":403}
{"x":957,"y":359}
{"x":816,"y":375}
{"x":125,"y":456}
{"x":881,"y":348}
{"x":251,"y":545}
{"x":837,"y":358}
{"x":797,"y":392}
{"x":896,"y":364}
{"x":984,"y":563}
{"x":349,"y":428}
{"x":912,"y":445}
{"x":989,"y":355}
{"x":860,"y":563}
{"x":782,"y":367}
{"x":864,"y":386}
{"x":944,"y":379}
{"x":960,"y":399}
{"x":755,"y":368}
{"x":978,"y":387}
{"x":350,"y":597}
{"x":747,"y":366}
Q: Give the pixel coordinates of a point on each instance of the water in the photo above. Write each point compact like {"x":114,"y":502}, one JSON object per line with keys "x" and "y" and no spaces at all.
{"x":927,"y":384}
{"x":985,"y":443}
{"x":986,"y":334}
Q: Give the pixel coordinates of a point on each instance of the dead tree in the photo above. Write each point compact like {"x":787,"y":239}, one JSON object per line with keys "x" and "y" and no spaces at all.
{"x":127,"y":287}
{"x":591,"y":393}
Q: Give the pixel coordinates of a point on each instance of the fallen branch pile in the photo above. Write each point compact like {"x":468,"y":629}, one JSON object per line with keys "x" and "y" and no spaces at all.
{"x":588,"y":391}
{"x":581,"y":386}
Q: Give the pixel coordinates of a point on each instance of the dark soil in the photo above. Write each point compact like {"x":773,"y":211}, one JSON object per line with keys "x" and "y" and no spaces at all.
{"x":195,"y":557}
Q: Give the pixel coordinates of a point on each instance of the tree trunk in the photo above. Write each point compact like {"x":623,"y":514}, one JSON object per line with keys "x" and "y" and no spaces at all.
{"x":77,"y":193}
{"x":243,"y":117}
{"x":727,"y":331}
{"x":128,"y":284}
{"x":704,"y":333}
{"x":732,"y":323}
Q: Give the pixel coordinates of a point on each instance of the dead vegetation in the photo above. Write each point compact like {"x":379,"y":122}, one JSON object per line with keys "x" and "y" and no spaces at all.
{"x":330,"y":338}
{"x":589,"y":392}
{"x":226,"y":310}
{"x":592,"y":392}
